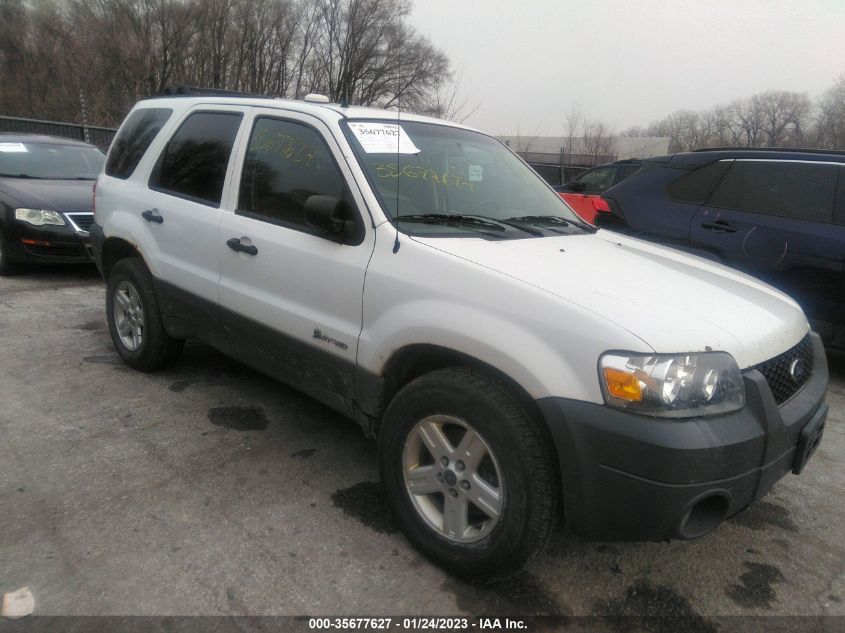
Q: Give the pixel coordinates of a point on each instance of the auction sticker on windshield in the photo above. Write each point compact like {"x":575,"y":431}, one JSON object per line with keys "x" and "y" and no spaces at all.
{"x":383,"y":138}
{"x":11,"y":148}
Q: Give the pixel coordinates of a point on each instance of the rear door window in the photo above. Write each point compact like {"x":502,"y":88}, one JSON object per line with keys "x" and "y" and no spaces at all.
{"x":194,"y":161}
{"x":134,"y":138}
{"x":804,"y":191}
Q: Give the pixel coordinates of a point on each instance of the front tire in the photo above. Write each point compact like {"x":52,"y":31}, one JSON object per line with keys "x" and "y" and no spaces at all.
{"x":135,"y":319}
{"x":7,"y":266}
{"x":468,"y":473}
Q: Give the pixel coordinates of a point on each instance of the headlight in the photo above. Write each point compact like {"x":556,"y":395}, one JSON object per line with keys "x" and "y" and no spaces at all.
{"x":672,"y":386}
{"x":39,"y":217}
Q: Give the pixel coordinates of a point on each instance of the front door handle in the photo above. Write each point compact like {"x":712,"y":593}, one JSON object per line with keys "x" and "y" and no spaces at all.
{"x":236,"y":244}
{"x":719,"y":226}
{"x":152,"y":215}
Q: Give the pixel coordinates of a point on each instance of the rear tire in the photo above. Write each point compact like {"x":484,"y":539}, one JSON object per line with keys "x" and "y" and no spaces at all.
{"x":135,"y":320}
{"x":510,"y":495}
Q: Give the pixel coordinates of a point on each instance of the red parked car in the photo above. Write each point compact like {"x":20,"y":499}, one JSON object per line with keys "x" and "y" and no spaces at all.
{"x":584,"y":193}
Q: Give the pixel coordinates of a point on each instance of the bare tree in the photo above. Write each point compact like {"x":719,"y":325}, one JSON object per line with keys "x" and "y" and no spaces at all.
{"x":771,"y":119}
{"x":597,"y":138}
{"x":115,"y":52}
{"x":447,"y":102}
{"x":524,"y":142}
{"x":574,"y":119}
{"x":830,"y":120}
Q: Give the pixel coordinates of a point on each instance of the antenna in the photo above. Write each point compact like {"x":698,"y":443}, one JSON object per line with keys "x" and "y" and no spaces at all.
{"x":398,"y":170}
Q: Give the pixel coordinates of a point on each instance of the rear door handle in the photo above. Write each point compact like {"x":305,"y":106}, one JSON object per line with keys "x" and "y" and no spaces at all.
{"x":236,"y":245}
{"x":152,"y":215}
{"x":719,"y":226}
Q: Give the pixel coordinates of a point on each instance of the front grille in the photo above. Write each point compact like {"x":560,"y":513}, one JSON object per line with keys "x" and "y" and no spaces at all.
{"x":81,"y":221}
{"x":777,"y":370}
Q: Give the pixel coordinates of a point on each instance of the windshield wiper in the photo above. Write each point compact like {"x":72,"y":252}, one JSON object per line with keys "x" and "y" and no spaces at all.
{"x":479,"y":220}
{"x":552,"y":219}
{"x":555,"y":219}
{"x":448,"y":218}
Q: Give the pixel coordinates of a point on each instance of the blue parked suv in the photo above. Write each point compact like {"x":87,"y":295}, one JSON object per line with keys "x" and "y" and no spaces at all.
{"x":776,"y":214}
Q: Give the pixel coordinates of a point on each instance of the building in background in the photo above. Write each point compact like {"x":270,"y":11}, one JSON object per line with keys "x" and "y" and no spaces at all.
{"x":558,"y":159}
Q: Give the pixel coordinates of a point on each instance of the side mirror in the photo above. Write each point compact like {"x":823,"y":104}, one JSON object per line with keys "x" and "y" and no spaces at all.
{"x":576,"y":185}
{"x":326,"y":213}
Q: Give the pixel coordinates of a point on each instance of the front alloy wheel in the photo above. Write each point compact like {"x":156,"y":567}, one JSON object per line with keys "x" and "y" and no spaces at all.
{"x":453,"y":478}
{"x":468,"y":472}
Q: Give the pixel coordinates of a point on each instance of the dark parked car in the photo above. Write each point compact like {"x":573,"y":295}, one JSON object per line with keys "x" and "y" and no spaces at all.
{"x":583,"y":193}
{"x":778,"y":215}
{"x":46,"y":199}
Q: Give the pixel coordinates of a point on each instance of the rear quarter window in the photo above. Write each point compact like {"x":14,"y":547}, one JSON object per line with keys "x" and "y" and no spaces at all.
{"x":134,"y":138}
{"x":695,"y":186}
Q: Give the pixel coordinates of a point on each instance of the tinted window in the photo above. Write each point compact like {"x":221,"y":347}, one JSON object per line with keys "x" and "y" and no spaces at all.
{"x":627,"y":170}
{"x":193,"y":164}
{"x":285,"y":164}
{"x":696,"y":186}
{"x":794,"y":190}
{"x":134,"y":138}
{"x":840,"y":198}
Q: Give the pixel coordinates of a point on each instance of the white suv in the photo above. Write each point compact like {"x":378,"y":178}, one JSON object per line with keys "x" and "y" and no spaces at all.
{"x":515,"y":364}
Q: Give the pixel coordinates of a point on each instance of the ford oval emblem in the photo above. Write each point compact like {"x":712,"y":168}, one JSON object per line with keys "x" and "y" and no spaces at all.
{"x":798,"y":370}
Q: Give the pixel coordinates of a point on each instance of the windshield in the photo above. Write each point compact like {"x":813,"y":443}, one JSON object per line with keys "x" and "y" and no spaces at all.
{"x":52,"y":161}
{"x":445,"y":179}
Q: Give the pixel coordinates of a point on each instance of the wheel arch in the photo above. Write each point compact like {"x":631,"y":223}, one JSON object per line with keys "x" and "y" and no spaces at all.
{"x":407,"y":363}
{"x":415,"y":360}
{"x":115,"y":249}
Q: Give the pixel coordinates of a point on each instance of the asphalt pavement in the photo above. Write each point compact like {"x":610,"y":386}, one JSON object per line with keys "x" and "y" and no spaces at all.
{"x":209,"y":489}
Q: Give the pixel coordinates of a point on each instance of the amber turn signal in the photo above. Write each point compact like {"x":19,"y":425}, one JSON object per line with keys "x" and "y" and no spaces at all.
{"x":622,"y":384}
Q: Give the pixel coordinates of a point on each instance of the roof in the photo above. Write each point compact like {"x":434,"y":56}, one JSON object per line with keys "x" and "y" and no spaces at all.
{"x":325,"y":111}
{"x":15,"y":137}
{"x":691,"y":160}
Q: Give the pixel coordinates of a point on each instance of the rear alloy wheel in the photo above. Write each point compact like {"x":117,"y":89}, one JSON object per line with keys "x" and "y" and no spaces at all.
{"x":128,"y":315}
{"x":469,"y":473}
{"x":135,"y":320}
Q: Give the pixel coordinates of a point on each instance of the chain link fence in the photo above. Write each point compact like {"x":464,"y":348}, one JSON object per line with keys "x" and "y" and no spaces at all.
{"x":99,"y":136}
{"x":560,"y":167}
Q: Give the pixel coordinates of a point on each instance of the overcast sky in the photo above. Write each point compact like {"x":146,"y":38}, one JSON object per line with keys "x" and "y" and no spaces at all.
{"x":629,"y":62}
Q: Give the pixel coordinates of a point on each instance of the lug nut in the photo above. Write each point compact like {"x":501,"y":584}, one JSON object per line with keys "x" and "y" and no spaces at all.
{"x":440,"y":477}
{"x":444,"y":461}
{"x":453,"y":492}
{"x":459,"y":466}
{"x":465,"y":485}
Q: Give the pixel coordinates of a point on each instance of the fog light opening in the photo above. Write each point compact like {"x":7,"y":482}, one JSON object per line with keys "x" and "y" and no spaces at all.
{"x":705,"y":515}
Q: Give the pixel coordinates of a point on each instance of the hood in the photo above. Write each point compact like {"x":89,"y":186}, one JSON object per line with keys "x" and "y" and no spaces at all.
{"x":58,"y":195}
{"x":672,"y":301}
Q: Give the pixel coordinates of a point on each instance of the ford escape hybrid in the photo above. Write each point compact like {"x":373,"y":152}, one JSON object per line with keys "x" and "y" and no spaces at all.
{"x":515,"y":363}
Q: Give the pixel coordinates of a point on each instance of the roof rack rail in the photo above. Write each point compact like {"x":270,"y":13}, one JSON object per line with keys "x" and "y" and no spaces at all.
{"x":193,"y":91}
{"x":805,"y":150}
